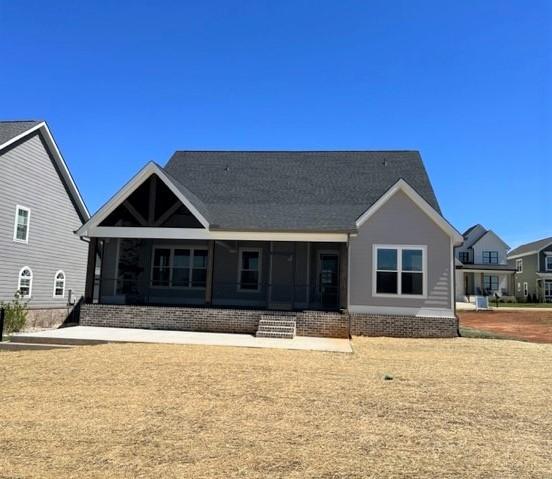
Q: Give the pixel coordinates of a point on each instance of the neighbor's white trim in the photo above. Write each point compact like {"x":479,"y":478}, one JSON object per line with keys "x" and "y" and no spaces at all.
{"x":399,"y":248}
{"x":523,"y":254}
{"x":403,"y":186}
{"x":54,"y":295}
{"x":520,"y":262}
{"x":28,"y":210}
{"x":30,"y":281}
{"x":420,"y":312}
{"x":203,"y":234}
{"x":131,"y":186}
{"x":241,"y":250}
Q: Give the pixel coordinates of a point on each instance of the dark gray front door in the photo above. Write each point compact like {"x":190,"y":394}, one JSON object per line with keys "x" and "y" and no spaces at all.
{"x":282,"y":281}
{"x":328,"y":281}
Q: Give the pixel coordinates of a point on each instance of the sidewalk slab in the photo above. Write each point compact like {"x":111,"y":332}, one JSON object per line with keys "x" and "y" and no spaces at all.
{"x":83,"y":335}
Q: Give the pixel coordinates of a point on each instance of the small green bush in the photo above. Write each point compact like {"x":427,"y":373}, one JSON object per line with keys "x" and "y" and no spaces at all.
{"x":15,"y":314}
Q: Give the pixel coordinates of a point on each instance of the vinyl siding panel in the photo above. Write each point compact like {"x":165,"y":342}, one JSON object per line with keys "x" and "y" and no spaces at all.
{"x":29,"y":178}
{"x":528,"y":275}
{"x":401,"y":222}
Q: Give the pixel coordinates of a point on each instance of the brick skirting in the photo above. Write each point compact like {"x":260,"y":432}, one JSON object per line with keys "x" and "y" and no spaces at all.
{"x":245,"y":321}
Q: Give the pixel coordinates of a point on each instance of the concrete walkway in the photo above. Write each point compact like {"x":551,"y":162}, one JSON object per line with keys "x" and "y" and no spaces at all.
{"x":95,"y":335}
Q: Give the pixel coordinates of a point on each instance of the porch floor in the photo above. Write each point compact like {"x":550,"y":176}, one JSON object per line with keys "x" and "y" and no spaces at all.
{"x":84,"y":335}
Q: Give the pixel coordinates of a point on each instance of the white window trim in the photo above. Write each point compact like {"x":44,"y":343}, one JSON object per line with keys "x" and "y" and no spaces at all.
{"x":525,"y":288}
{"x":260,"y":269}
{"x":399,"y":248}
{"x":30,"y":282}
{"x":54,"y":295}
{"x":171,"y":248}
{"x":28,"y":210}
{"x":548,"y":259}
{"x":519,"y":265}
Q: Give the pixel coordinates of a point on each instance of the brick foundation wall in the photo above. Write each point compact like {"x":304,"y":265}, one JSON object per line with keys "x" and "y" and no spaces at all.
{"x":245,"y":321}
{"x":403,"y":326}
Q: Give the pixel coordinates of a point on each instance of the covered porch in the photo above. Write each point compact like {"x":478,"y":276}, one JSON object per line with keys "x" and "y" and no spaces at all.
{"x":273,"y":275}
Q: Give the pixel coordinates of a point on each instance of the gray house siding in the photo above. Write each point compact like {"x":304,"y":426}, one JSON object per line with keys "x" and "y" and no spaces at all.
{"x":30,"y":179}
{"x":528,"y":275}
{"x":401,"y":222}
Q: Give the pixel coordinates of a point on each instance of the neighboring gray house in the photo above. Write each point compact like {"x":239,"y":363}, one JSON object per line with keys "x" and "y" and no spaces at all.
{"x":481,"y":265}
{"x":40,"y":208}
{"x":533,"y":265}
{"x":344,"y":241}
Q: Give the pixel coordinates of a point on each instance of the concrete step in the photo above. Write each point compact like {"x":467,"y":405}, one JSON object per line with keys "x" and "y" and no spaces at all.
{"x":277,"y":329}
{"x":267,"y":322}
{"x":14,"y":346}
{"x":272,"y":334}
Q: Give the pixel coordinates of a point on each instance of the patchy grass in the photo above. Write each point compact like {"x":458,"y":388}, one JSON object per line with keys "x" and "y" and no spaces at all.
{"x":523,"y":305}
{"x":454,"y":408}
{"x":467,"y":332}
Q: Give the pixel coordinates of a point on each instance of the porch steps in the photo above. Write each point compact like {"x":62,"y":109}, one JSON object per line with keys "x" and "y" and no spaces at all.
{"x":276,"y":326}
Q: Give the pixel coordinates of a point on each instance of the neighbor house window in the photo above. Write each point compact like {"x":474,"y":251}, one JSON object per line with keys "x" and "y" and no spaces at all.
{"x":525,"y":289}
{"x":21,"y":227}
{"x":490,"y":283}
{"x":464,"y":257}
{"x":399,"y":270}
{"x":59,"y":284}
{"x":548,"y":263}
{"x":25,"y":283}
{"x":250,"y":270}
{"x":490,"y":257}
{"x":519,"y":265}
{"x":179,"y":267}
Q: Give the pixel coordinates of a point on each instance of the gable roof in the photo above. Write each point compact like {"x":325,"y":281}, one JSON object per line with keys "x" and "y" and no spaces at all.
{"x":490,"y":232}
{"x":323,"y":191}
{"x":13,"y":131}
{"x":10,"y":130}
{"x":531,"y":248}
{"x":470,"y":229}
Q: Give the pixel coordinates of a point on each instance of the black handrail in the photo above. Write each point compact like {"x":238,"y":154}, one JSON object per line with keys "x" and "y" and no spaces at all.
{"x":2,"y":315}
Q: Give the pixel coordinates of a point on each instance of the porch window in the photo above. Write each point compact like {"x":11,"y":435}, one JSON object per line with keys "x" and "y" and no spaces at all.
{"x":25,"y":283}
{"x":490,"y":282}
{"x":179,"y":267}
{"x":548,"y":263}
{"x":490,"y":257}
{"x":21,"y":227}
{"x":400,"y":270}
{"x":519,"y":265}
{"x":249,"y":270}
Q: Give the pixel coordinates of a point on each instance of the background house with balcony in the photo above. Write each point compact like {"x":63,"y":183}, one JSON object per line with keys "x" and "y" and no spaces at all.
{"x":481,"y":265}
{"x":533,"y":270}
{"x":335,"y":240}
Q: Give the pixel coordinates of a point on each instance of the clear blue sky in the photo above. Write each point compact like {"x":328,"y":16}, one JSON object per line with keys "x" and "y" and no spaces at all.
{"x":468,"y":83}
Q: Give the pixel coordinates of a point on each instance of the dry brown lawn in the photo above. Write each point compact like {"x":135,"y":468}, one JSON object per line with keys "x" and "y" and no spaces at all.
{"x":455,"y":408}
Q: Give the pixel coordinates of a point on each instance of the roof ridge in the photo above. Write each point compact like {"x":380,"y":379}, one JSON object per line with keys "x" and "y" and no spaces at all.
{"x":297,"y":151}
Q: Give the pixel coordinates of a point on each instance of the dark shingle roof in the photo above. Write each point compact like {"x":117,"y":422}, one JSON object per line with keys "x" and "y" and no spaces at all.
{"x":534,"y":246}
{"x":11,"y":129}
{"x":294,"y":190}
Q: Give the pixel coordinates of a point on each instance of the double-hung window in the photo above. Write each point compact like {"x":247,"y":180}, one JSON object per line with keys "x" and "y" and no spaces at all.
{"x":399,"y":270}
{"x":25,"y":282}
{"x":21,"y":226}
{"x":179,"y":267}
{"x":519,"y":265}
{"x":548,"y":263}
{"x":490,"y":257}
{"x":249,"y":271}
{"x":59,"y":284}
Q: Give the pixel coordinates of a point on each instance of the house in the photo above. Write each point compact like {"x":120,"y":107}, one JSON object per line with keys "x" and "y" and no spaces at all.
{"x":481,"y":265}
{"x":332,"y":242}
{"x":533,"y":270}
{"x":40,"y":209}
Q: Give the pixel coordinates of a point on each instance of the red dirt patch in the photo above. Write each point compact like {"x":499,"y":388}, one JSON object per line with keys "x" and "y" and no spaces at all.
{"x":526,"y":325}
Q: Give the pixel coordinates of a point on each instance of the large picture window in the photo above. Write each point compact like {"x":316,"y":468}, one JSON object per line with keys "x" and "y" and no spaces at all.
{"x":21,"y":227}
{"x":250,"y":270}
{"x":490,"y":257}
{"x":399,"y":270}
{"x":179,"y":267}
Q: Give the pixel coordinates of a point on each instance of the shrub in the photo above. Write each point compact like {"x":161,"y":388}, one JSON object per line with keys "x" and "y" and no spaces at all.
{"x":15,"y":314}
